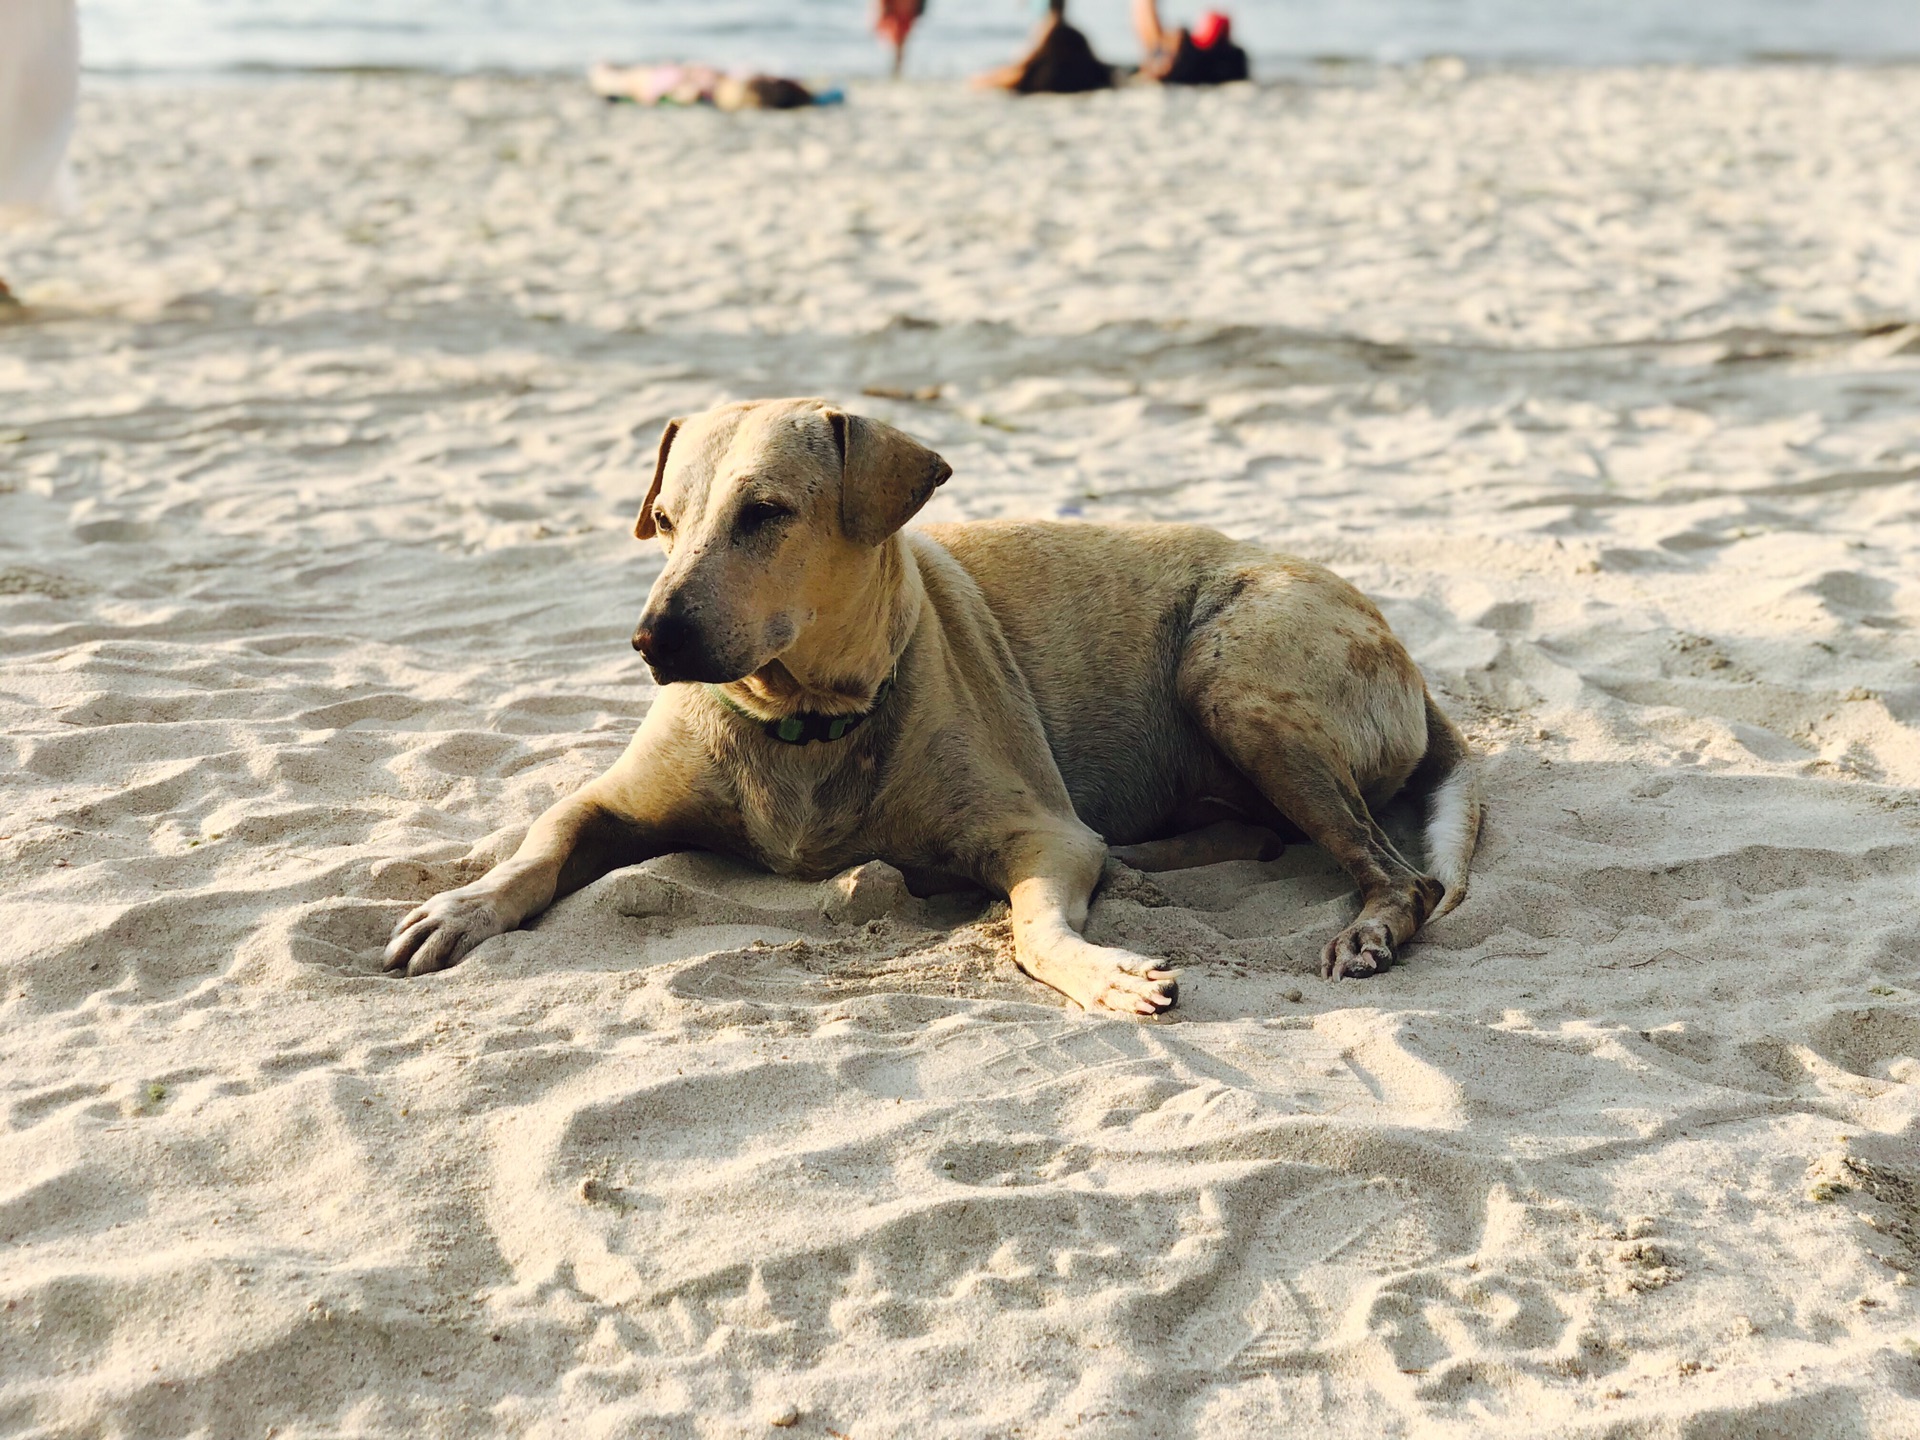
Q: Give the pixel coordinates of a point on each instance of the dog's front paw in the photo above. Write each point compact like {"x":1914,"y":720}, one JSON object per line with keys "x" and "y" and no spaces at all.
{"x":1118,"y":982}
{"x":439,"y":933}
{"x":1360,"y":950}
{"x":1145,"y":992}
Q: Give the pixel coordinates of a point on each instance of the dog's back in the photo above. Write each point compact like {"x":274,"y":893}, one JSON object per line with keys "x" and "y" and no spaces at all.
{"x":1097,"y":617}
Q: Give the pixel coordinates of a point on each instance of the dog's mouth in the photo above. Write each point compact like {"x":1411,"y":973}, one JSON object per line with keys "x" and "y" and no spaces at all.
{"x":693,"y":670}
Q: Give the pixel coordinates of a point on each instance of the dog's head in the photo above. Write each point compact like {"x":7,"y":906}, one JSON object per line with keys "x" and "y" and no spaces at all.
{"x":770,"y":512}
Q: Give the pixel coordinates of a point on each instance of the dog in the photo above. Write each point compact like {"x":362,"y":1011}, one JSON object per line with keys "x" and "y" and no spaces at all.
{"x":985,"y":704}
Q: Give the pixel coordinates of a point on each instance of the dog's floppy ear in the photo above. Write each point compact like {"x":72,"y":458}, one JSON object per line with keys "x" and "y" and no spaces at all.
{"x":643,"y":526}
{"x":886,"y":476}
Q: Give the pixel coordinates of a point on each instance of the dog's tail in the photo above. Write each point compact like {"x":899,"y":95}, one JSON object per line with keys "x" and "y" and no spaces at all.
{"x":1451,"y":777}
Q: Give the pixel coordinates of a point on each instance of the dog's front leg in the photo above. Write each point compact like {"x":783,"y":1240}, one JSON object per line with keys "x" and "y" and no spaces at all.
{"x":577,"y":840}
{"x":1049,"y":877}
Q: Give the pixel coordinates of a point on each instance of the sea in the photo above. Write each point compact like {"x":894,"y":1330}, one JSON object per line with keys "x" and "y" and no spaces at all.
{"x":833,"y":38}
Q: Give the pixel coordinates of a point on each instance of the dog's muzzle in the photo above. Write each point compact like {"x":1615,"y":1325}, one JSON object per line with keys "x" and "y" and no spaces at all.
{"x":674,"y":650}
{"x":661,"y":639}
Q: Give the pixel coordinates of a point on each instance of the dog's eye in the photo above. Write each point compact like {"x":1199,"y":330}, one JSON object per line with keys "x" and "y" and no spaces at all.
{"x":760,"y":514}
{"x":662,"y":524}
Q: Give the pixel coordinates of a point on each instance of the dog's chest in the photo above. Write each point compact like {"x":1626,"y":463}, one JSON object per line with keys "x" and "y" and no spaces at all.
{"x":808,"y":815}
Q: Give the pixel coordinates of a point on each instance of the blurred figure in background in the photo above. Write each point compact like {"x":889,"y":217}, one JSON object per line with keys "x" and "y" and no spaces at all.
{"x":1203,"y":55}
{"x":894,"y":20}
{"x":39,"y":82}
{"x":701,"y":85}
{"x":1059,"y":62}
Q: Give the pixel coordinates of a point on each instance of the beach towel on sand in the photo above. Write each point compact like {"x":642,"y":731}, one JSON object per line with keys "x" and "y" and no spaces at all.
{"x":702,"y":85}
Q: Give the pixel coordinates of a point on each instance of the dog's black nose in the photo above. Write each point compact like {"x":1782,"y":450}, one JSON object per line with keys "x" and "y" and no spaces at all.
{"x":662,"y":637}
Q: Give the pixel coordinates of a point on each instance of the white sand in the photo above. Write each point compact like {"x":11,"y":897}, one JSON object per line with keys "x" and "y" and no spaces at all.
{"x":315,"y":482}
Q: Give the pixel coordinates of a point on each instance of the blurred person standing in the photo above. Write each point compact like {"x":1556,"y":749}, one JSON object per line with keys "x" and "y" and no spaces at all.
{"x":894,"y":20}
{"x":39,"y":83}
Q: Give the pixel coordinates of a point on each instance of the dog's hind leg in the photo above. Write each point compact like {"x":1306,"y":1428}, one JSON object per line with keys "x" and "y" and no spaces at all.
{"x":1297,"y":680}
{"x":1315,"y":790}
{"x":1285,"y":745}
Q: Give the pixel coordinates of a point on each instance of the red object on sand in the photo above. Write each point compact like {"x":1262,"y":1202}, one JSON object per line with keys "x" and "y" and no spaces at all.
{"x":1210,"y":29}
{"x":895,"y":19}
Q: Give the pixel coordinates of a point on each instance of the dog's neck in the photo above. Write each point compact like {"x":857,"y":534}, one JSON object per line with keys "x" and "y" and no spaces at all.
{"x":837,"y":665}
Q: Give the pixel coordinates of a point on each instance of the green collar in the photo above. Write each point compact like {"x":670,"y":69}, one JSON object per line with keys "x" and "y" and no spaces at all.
{"x":808,"y":726}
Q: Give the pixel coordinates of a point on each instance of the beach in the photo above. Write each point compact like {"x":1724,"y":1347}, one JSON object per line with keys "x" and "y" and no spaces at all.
{"x":835,"y":37}
{"x":321,"y":438}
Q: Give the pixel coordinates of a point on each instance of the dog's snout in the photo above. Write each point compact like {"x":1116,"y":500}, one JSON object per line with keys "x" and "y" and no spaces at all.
{"x":662,"y":637}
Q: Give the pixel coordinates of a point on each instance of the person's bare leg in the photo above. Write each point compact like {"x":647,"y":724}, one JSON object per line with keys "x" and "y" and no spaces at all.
{"x":1049,"y":878}
{"x":1146,"y":24}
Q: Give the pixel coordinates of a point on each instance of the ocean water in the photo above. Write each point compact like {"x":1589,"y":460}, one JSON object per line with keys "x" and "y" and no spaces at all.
{"x":832,"y":37}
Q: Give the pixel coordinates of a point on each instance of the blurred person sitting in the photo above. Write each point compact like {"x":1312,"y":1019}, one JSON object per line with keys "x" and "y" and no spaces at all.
{"x":702,"y":85}
{"x":1203,"y":55}
{"x":1059,"y":62}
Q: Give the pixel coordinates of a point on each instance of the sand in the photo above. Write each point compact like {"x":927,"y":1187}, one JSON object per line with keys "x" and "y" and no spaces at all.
{"x":319,"y":446}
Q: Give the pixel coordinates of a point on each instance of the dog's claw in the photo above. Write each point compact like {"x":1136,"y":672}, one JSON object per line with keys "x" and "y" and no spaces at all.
{"x":1356,"y":954}
{"x":441,"y":932}
{"x":1142,"y":988}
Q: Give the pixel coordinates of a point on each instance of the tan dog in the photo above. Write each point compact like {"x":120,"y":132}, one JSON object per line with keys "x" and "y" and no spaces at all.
{"x":982,"y":704}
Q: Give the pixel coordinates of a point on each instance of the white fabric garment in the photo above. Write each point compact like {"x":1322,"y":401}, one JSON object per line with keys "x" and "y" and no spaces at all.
{"x":39,"y":82}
